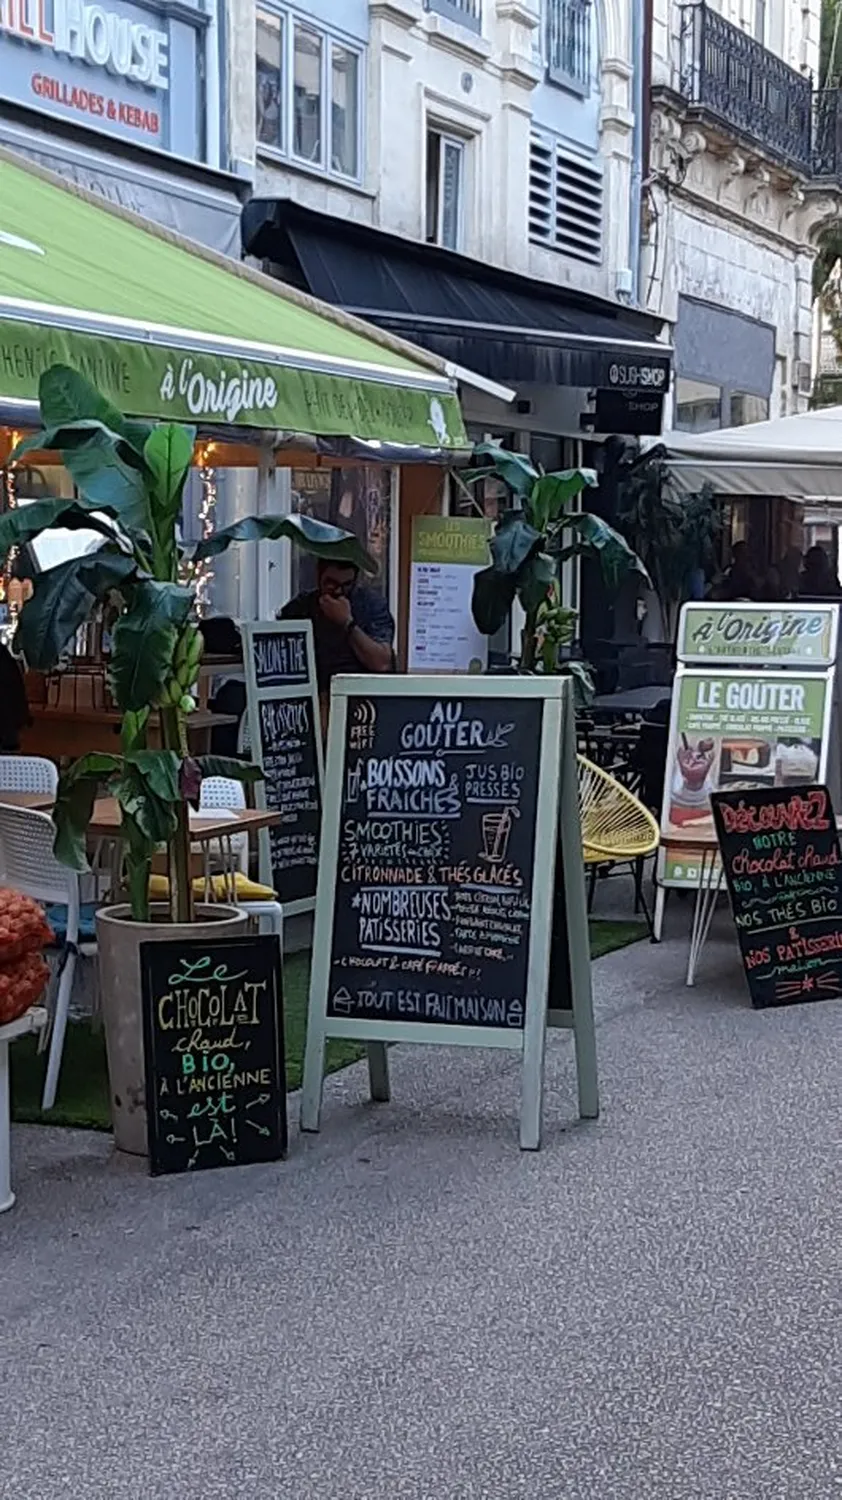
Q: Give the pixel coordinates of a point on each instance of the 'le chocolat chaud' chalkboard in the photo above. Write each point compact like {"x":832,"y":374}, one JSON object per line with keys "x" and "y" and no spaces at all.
{"x":438,"y":877}
{"x":780,"y":852}
{"x":214,"y":1051}
{"x":286,"y":740}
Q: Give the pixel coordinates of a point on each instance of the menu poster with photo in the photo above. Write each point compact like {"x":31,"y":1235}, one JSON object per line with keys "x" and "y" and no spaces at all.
{"x":736,"y":731}
{"x":446,"y":553}
{"x":438,"y":876}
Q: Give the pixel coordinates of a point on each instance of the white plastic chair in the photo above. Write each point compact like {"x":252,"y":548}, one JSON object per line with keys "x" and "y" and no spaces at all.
{"x":27,"y":864}
{"x":223,"y":794}
{"x":28,"y":773}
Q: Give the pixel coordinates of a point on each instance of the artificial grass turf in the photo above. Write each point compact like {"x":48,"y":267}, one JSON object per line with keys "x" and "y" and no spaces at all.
{"x":83,"y":1089}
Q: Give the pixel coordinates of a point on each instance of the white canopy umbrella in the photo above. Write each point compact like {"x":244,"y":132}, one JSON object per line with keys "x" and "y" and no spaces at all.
{"x":799,"y":457}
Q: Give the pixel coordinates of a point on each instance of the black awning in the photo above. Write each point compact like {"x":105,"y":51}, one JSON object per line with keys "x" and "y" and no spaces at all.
{"x":506,"y":327}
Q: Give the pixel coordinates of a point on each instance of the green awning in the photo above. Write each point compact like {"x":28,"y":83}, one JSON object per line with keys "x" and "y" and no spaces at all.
{"x":168,"y":330}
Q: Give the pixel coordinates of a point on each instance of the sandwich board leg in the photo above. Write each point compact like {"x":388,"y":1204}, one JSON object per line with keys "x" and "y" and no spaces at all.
{"x":532,"y":1081}
{"x":660,"y":902}
{"x":581,"y":993}
{"x":378,"y":1072}
{"x":314,"y":1073}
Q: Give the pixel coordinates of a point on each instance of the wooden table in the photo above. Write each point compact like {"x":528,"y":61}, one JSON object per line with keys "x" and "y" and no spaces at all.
{"x":60,"y":732}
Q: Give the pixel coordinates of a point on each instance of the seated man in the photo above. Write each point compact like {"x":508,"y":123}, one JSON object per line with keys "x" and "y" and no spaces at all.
{"x":353,"y":630}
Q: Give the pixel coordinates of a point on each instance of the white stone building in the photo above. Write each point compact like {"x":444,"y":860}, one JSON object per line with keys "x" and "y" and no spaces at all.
{"x":739,"y":180}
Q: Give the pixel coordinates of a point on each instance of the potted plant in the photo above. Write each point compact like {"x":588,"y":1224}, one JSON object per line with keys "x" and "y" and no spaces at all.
{"x":541,"y":530}
{"x":677,"y":536}
{"x":130,"y":479}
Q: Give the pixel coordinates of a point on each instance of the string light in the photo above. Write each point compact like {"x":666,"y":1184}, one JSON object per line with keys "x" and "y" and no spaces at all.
{"x":10,"y":500}
{"x":200,"y":574}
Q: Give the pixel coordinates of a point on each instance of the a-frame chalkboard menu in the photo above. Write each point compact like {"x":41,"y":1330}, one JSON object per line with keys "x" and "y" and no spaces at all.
{"x":213,"y":1041}
{"x":445,"y":799}
{"x":781,"y":855}
{"x":286,"y":740}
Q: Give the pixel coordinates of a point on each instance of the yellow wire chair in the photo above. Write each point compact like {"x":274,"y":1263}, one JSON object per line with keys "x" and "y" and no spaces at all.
{"x":616,"y":830}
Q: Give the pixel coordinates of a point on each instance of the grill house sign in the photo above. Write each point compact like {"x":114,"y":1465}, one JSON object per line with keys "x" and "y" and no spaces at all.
{"x":104,"y":65}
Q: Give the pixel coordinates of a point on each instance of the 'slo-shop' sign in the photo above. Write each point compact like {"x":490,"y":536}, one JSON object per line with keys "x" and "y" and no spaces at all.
{"x":780,"y":851}
{"x":438,"y":875}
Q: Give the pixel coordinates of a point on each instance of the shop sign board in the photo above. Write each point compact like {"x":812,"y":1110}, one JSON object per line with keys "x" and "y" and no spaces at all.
{"x":736,"y":731}
{"x":780,"y":850}
{"x":447,"y":801}
{"x":213,"y":1039}
{"x":154,"y":381}
{"x":447,"y":551}
{"x":127,"y":71}
{"x":773,"y":635}
{"x":286,"y":740}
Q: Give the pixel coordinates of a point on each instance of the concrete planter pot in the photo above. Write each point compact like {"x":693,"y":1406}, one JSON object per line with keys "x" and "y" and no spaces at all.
{"x":118,"y":942}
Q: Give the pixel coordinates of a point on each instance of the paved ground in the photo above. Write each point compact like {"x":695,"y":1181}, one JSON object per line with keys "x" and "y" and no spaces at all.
{"x":649,"y":1309}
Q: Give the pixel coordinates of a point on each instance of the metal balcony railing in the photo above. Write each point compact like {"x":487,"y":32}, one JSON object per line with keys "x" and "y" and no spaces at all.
{"x":744,"y":86}
{"x":569,"y":24}
{"x":466,"y":13}
{"x":827,"y":135}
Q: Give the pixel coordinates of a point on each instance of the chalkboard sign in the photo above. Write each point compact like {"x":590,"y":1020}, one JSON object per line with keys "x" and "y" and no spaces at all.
{"x":286,"y":740}
{"x":436,"y":854}
{"x":780,"y":851}
{"x":214,"y":1053}
{"x":435,"y":903}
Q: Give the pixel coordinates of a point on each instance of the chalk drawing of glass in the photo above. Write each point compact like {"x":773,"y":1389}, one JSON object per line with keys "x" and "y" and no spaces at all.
{"x":496,"y":832}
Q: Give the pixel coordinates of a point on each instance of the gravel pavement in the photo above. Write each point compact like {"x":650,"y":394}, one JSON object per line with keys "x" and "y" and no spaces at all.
{"x":647,"y":1309}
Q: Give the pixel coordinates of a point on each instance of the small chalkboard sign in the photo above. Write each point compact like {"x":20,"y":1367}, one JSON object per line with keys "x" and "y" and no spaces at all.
{"x":780,"y":852}
{"x":286,"y":740}
{"x":214,"y":1053}
{"x":438,"y":873}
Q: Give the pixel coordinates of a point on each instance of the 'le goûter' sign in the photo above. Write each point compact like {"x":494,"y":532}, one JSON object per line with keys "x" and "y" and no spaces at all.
{"x":285,"y":731}
{"x":214,"y":1053}
{"x":439,"y":876}
{"x":780,"y":851}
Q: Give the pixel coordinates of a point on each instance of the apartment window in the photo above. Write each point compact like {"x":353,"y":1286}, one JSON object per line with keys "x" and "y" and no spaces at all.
{"x":569,"y":24}
{"x":445,"y":189}
{"x":760,"y":10}
{"x":309,"y":87}
{"x":746,"y":408}
{"x":698,"y":406}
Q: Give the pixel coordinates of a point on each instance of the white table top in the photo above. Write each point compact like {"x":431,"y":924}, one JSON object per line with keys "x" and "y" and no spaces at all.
{"x":33,"y":1019}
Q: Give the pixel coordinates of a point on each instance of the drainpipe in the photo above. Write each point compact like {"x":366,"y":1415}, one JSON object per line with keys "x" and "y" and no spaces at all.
{"x":641,"y":69}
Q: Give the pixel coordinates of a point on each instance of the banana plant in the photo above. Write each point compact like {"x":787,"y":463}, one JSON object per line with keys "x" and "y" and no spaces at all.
{"x":539,"y":531}
{"x":130,"y":478}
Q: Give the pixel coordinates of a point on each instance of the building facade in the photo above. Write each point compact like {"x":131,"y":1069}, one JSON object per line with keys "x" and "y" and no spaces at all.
{"x":741,"y":176}
{"x":126,"y":100}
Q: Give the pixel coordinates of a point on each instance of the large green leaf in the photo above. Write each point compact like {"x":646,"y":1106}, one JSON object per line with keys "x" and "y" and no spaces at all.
{"x":534,"y":580}
{"x":513,"y":542}
{"x":65,"y":395}
{"x":144,"y":639}
{"x":158,"y":769}
{"x":103,"y":468}
{"x":63,"y":599}
{"x":21,"y":525}
{"x":77,"y":793}
{"x":515,"y":469}
{"x":168,"y":453}
{"x":329,"y":543}
{"x":235,"y":770}
{"x":492,"y":598}
{"x":553,"y":492}
{"x":615,"y":555}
